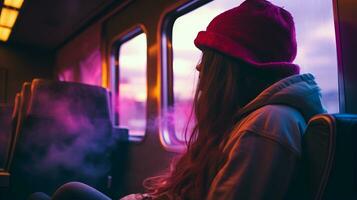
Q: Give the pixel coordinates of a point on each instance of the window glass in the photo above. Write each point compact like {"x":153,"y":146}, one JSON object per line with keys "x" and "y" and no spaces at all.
{"x":186,"y":57}
{"x":316,"y":50}
{"x":132,"y":85}
{"x":316,"y":45}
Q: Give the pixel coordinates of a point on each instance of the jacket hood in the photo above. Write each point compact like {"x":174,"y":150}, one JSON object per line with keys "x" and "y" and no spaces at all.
{"x":298,"y":91}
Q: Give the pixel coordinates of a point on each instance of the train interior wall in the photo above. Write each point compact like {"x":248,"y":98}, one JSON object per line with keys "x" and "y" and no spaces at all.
{"x":20,"y":64}
{"x":79,"y":60}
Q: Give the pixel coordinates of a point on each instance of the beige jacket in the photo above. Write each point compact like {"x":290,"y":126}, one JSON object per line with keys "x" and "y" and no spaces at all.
{"x":265,"y":146}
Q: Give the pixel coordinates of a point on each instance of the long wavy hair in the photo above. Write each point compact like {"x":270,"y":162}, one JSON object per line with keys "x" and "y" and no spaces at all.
{"x":225,"y":86}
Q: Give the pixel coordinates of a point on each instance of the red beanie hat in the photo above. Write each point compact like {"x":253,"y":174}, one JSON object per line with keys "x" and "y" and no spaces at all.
{"x":256,"y":32}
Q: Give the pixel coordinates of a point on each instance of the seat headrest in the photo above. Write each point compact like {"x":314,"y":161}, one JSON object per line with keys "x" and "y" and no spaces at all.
{"x":49,"y":97}
{"x":16,"y":108}
{"x":330,"y":156}
{"x":25,"y":95}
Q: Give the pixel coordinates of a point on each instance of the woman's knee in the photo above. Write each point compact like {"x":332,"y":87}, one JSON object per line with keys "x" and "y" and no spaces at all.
{"x":39,"y":196}
{"x":79,"y":191}
{"x":71,"y":187}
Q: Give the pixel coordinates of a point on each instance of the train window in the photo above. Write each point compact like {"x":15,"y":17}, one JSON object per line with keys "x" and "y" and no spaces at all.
{"x":131,"y":102}
{"x":316,"y":51}
{"x":182,"y":76}
{"x":316,"y":45}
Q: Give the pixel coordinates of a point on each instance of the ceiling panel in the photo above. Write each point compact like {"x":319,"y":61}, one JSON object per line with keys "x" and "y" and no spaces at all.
{"x":48,"y":23}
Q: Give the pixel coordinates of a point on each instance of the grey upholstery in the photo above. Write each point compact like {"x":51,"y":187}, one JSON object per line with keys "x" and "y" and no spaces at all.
{"x":330,"y":157}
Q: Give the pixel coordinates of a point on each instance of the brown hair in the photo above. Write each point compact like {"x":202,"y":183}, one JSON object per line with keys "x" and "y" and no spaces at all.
{"x":225,"y":86}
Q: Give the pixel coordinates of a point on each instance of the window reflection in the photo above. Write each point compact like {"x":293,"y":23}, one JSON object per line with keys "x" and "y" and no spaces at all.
{"x":316,"y":50}
{"x":132,"y":85}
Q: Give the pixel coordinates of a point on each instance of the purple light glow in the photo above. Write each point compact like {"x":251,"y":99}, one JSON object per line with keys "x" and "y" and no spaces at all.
{"x":66,"y":136}
{"x":88,"y":70}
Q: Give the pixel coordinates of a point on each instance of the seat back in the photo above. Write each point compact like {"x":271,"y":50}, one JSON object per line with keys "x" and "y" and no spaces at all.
{"x":86,"y":100}
{"x":65,"y":136}
{"x":21,"y":105}
{"x":330,"y":157}
{"x":8,"y":121}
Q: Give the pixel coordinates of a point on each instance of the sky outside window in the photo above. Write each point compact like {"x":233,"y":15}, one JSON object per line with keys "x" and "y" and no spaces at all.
{"x":132,"y":85}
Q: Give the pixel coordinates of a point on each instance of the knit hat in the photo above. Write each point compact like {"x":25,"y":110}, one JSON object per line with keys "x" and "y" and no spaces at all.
{"x":256,"y":32}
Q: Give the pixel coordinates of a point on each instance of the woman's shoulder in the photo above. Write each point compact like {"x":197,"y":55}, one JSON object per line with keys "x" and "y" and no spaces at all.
{"x":280,"y":123}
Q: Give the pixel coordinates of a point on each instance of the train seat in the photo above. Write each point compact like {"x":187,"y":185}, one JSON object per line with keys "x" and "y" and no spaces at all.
{"x":66,"y":134}
{"x":330,"y":157}
{"x":10,"y":119}
{"x":20,"y":106}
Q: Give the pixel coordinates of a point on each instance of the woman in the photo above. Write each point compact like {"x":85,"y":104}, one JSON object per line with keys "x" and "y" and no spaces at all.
{"x":251,"y":108}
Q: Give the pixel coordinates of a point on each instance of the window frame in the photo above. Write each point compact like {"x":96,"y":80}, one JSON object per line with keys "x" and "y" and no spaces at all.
{"x":167,"y":134}
{"x":340,"y":62}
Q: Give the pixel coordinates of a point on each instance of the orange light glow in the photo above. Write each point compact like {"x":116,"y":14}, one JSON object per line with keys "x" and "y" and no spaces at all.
{"x":4,"y":33}
{"x":8,"y":17}
{"x":14,"y":3}
{"x":105,"y":81}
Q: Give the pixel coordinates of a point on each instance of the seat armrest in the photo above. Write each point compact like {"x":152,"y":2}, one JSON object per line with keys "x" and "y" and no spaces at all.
{"x":120,"y":133}
{"x":4,"y":179}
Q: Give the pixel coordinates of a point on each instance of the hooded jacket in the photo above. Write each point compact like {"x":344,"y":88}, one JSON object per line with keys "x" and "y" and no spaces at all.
{"x":264,"y":148}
